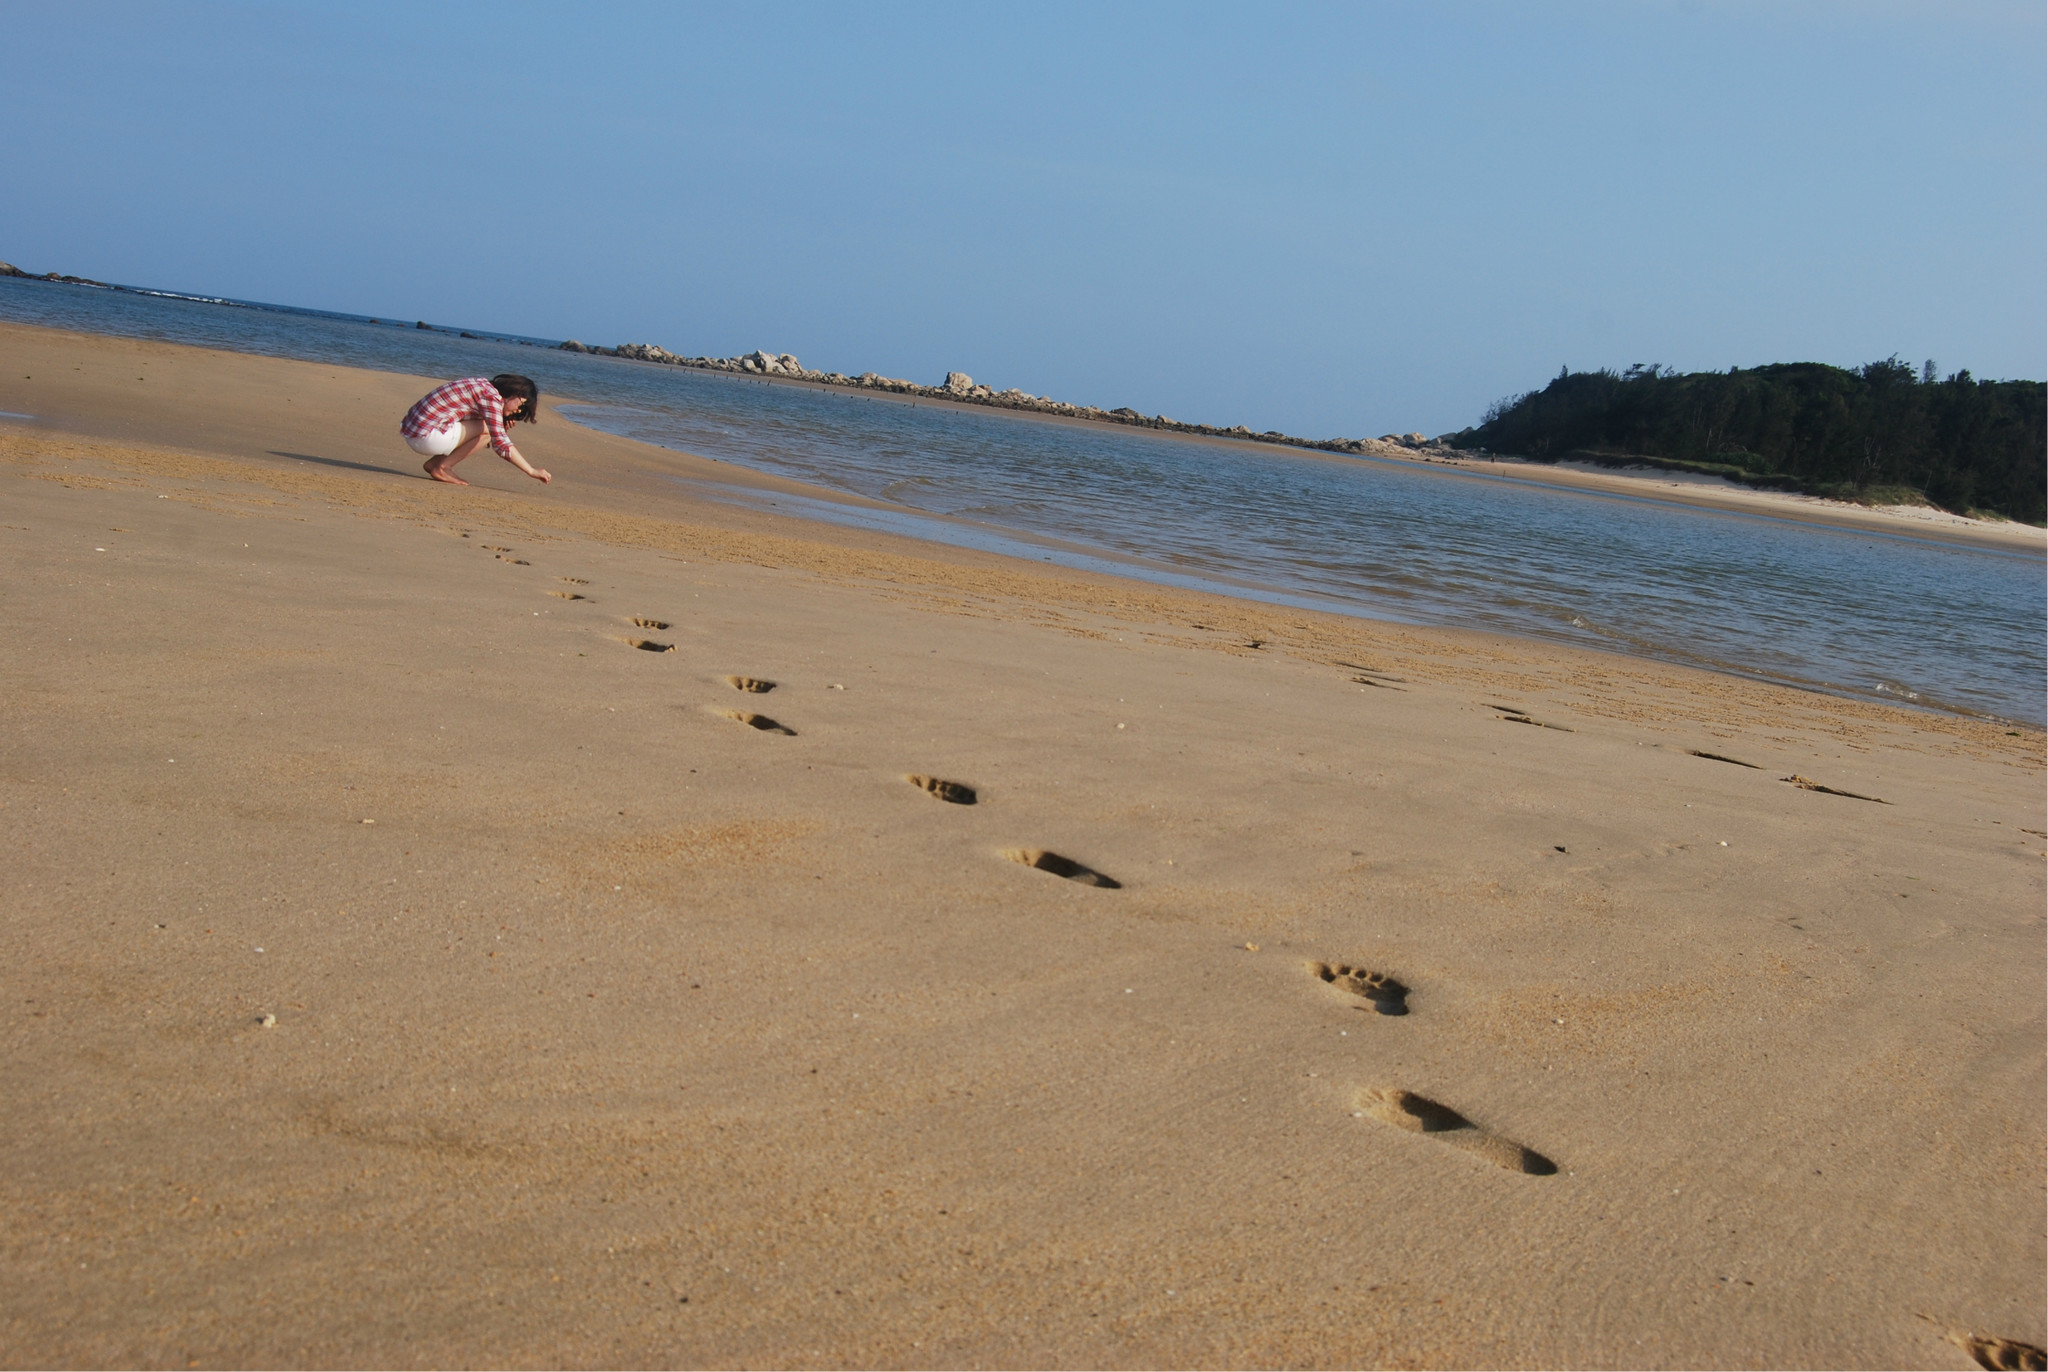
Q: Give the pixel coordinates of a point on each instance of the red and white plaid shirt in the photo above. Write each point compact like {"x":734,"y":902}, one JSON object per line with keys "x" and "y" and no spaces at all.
{"x":473,"y":397}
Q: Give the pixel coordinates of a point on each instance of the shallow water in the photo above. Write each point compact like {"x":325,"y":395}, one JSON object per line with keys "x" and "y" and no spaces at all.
{"x":1878,"y":615}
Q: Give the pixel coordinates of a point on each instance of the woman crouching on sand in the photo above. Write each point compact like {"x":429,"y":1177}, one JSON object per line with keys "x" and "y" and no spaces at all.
{"x":449,"y":421}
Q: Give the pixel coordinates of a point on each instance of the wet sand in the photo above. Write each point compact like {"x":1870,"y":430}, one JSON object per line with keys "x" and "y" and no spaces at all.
{"x":403,"y":967}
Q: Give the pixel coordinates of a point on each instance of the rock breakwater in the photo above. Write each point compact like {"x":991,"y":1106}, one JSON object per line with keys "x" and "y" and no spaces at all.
{"x":961,"y":388}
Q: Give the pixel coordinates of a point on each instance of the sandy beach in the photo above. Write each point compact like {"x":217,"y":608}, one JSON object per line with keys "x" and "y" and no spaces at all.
{"x":531,"y":926}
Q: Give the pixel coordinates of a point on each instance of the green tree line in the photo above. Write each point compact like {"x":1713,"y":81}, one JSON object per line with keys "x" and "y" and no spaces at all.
{"x":1882,"y":432}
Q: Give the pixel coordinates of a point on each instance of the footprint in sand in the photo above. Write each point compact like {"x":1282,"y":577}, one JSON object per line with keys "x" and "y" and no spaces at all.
{"x":1372,"y":676}
{"x":952,"y":792}
{"x":1809,"y":784}
{"x":1388,"y":996}
{"x":650,"y":623}
{"x":648,"y":645}
{"x":2002,"y":1355}
{"x":1062,"y":867}
{"x":754,"y":684}
{"x":515,"y":561}
{"x":1420,"y":1115}
{"x":1514,"y":714}
{"x":754,"y":721}
{"x":574,"y":580}
{"x":567,"y":595}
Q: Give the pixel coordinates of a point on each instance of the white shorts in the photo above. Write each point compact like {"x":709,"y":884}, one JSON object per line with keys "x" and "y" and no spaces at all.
{"x":439,"y":443}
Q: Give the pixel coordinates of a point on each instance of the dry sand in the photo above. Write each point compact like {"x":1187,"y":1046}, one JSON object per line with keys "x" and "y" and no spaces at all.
{"x":609,"y":1030}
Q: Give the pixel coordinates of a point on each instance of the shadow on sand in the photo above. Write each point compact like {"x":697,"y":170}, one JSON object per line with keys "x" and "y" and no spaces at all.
{"x":354,"y":466}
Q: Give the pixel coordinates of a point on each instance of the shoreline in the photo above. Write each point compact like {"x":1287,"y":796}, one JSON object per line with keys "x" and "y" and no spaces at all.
{"x":1700,"y":492}
{"x":627,"y":481}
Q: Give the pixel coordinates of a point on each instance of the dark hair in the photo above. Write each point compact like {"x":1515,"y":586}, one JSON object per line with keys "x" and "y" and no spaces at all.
{"x":510,"y":384}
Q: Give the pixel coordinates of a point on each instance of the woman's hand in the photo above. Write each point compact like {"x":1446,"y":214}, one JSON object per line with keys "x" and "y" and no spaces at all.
{"x":518,"y":459}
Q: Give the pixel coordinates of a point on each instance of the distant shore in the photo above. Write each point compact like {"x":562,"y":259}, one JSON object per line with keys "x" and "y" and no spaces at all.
{"x":1923,"y":521}
{"x":1645,"y":482}
{"x":960,"y":388}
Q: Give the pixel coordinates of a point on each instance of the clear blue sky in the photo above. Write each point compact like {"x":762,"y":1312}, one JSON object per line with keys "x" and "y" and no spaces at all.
{"x":1331,"y":220}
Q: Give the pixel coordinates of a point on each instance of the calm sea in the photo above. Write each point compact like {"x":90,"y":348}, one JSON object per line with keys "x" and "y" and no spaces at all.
{"x":1888,"y":616}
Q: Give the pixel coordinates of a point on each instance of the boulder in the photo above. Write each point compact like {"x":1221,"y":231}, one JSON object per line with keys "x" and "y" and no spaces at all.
{"x":572,"y":346}
{"x":959,"y":383}
{"x":771,"y":364}
{"x":646,"y":352}
{"x":9,"y":269}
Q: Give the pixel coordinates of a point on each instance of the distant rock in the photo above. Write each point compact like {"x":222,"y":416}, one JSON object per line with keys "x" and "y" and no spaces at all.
{"x":647,"y":352}
{"x":772,"y":364}
{"x":9,"y":269}
{"x":959,"y":386}
{"x":423,"y":324}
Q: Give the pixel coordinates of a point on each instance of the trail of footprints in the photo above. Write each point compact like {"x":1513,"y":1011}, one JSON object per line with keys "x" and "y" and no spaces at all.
{"x":940,"y":788}
{"x":1394,"y":1107}
{"x":1415,"y":1113}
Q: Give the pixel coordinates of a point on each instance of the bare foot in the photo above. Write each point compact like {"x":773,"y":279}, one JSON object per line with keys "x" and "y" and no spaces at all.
{"x":543,"y":477}
{"x":434,"y":470}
